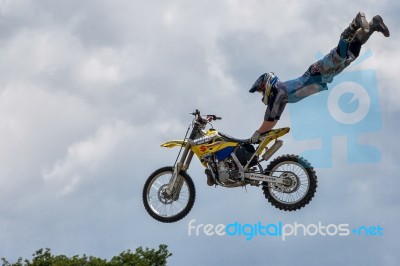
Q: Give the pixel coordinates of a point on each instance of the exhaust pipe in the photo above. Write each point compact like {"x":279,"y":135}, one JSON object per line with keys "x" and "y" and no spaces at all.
{"x":271,"y":151}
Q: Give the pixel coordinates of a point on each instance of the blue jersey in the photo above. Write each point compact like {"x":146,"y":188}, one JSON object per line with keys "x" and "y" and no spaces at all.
{"x":317,"y":75}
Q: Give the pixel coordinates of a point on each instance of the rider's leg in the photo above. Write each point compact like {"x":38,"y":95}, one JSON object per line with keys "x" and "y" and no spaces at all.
{"x":302,"y":87}
{"x":334,"y":62}
{"x":324,"y":70}
{"x":376,"y":24}
{"x":307,"y":91}
{"x":321,"y":72}
{"x":359,"y":22}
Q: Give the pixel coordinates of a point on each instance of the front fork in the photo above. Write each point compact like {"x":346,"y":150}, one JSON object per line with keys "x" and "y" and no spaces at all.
{"x":176,"y":182}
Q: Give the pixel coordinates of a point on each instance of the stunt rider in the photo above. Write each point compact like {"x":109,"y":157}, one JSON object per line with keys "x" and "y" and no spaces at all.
{"x":277,"y":93}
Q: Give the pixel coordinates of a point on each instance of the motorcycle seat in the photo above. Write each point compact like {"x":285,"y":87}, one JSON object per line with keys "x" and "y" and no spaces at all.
{"x":230,"y":138}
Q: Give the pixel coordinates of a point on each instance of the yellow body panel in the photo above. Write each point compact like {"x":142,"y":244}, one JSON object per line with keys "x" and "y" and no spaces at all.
{"x":173,"y":143}
{"x":270,"y":136}
{"x":213,"y":143}
{"x":210,"y":148}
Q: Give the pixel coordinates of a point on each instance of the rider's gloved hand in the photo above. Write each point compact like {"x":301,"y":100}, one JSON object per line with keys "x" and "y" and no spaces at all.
{"x":255,"y":138}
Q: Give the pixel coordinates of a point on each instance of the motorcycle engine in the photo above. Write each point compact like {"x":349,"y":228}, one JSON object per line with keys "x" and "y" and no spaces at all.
{"x":227,"y":169}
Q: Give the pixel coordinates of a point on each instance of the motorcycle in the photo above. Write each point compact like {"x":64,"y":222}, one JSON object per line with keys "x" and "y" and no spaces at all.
{"x":289,"y":182}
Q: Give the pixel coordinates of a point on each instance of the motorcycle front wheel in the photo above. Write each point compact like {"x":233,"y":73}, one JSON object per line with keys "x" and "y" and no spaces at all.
{"x":301,"y":187}
{"x":159,"y":205}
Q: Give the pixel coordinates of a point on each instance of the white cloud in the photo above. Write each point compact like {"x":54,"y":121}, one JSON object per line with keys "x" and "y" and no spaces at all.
{"x":95,"y":71}
{"x":87,"y":156}
{"x":89,"y":89}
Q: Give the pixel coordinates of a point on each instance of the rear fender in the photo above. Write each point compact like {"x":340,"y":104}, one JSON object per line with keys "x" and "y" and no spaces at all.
{"x":270,"y":136}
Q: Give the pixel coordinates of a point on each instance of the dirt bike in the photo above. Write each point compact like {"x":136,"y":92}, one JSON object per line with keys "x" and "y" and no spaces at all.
{"x":289,"y":181}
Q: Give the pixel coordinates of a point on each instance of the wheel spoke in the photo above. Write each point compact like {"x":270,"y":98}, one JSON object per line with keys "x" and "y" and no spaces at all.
{"x":296,"y":173}
{"x":166,"y":207}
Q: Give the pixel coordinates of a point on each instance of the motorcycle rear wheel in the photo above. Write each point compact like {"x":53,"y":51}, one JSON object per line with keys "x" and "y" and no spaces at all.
{"x":158,"y":205}
{"x":303,"y":181}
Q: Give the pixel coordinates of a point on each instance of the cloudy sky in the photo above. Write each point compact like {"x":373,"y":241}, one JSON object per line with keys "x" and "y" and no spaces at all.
{"x":89,"y":89}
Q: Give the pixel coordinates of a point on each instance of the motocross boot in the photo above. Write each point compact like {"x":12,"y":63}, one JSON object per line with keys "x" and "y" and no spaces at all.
{"x":376,"y":24}
{"x":359,"y":22}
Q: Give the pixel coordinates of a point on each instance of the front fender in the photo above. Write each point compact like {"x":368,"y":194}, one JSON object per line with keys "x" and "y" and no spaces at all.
{"x":173,"y":143}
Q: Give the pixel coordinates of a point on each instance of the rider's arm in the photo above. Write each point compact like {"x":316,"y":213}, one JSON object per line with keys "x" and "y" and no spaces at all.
{"x":266,"y":126}
{"x":276,"y":108}
{"x":273,"y":112}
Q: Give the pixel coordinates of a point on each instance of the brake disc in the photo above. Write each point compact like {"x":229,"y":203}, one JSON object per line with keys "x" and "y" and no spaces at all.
{"x":293,"y":183}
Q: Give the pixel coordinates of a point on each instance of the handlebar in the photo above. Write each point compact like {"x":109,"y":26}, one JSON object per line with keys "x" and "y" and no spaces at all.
{"x":208,"y":118}
{"x":214,"y":117}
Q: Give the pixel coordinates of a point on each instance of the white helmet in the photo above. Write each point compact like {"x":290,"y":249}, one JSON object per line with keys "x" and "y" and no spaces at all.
{"x":264,"y":85}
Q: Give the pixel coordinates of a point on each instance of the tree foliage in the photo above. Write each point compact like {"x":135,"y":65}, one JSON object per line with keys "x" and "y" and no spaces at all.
{"x":141,"y":257}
